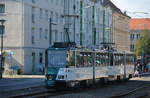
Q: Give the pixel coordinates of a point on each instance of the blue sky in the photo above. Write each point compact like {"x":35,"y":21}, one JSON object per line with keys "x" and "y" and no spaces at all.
{"x":134,"y":6}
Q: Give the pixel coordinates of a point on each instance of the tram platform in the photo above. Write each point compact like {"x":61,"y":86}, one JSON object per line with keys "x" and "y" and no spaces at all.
{"x":20,"y":82}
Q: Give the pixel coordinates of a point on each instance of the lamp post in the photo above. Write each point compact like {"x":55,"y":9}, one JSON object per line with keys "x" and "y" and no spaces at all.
{"x":1,"y":32}
{"x":50,"y":31}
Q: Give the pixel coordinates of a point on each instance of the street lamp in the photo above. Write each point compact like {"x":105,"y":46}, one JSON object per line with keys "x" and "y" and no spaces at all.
{"x":2,"y":28}
{"x":50,"y":31}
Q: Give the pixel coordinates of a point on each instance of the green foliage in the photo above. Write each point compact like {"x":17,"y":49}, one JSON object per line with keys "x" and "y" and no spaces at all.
{"x":143,"y":44}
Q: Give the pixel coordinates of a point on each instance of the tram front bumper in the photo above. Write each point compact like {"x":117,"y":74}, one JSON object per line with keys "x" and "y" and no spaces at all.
{"x":61,"y":83}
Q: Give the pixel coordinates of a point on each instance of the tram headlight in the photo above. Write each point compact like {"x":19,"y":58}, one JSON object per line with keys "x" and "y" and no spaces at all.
{"x":49,"y":77}
{"x":61,"y":77}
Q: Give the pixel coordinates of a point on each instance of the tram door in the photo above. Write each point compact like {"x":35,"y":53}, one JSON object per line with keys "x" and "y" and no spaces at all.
{"x":111,"y":58}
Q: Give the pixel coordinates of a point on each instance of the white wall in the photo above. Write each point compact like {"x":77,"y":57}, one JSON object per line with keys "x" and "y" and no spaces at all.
{"x":19,"y":25}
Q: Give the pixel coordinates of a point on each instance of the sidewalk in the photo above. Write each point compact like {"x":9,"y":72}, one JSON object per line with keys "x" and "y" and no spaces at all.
{"x":145,"y":74}
{"x":11,"y":83}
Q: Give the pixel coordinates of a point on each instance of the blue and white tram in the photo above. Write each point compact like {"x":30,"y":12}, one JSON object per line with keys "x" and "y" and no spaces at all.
{"x":74,"y":67}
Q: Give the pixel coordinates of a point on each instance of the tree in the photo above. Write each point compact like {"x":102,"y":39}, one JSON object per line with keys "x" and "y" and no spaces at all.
{"x":142,"y":46}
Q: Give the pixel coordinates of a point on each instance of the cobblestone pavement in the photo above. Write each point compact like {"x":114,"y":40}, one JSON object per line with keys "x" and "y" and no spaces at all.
{"x":109,"y":90}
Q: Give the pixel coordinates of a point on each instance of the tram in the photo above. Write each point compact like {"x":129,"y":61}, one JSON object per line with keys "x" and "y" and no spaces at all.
{"x":77,"y":67}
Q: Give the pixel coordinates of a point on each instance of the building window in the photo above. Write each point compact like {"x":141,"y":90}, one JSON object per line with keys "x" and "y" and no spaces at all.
{"x":56,"y":36}
{"x":62,"y":36}
{"x":33,"y":16}
{"x":41,"y":58}
{"x":131,"y":36}
{"x":46,"y":14}
{"x":33,"y":19}
{"x":132,"y":47}
{"x":33,"y":1}
{"x":52,"y":15}
{"x":2,"y":8}
{"x":40,"y":33}
{"x":56,"y":2}
{"x":2,"y":29}
{"x":41,"y":12}
{"x":46,"y":34}
{"x":56,"y":17}
{"x":137,"y":36}
{"x":32,"y":36}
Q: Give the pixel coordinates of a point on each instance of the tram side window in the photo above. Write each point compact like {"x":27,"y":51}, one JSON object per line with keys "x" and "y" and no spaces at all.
{"x":127,"y":60}
{"x":67,"y":60}
{"x":105,"y":60}
{"x":111,"y":59}
{"x":120,"y":60}
{"x":70,"y":59}
{"x":115,"y":60}
{"x":131,"y":59}
{"x":102,"y":60}
{"x":85,"y":60}
{"x":98,"y":60}
{"x":89,"y":57}
{"x":78,"y":59}
{"x":82,"y":60}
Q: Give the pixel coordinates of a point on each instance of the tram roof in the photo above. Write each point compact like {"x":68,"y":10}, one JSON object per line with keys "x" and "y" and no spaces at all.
{"x":87,"y":50}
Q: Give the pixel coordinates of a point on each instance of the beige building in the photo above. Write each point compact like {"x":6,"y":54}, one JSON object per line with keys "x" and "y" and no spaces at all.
{"x":120,"y":28}
{"x":121,"y":31}
{"x":137,"y":26}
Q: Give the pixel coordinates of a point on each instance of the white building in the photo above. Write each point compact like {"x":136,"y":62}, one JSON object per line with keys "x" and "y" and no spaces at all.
{"x":107,"y":25}
{"x":83,"y":20}
{"x":27,"y":32}
{"x":27,"y":29}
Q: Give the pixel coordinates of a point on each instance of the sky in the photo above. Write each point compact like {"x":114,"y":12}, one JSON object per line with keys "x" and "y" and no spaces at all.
{"x":132,"y":6}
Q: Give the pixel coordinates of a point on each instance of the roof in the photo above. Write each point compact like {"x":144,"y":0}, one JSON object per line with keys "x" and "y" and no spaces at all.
{"x":140,"y":24}
{"x":114,"y":7}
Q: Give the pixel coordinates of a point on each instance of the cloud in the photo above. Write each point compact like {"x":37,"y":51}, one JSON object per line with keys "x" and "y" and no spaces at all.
{"x":133,"y":6}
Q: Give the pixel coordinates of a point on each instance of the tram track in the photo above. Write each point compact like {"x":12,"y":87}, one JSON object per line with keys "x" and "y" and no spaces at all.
{"x":133,"y":87}
{"x":134,"y":91}
{"x":40,"y":94}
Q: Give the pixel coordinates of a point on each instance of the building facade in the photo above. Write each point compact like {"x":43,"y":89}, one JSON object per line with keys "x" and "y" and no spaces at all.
{"x":27,"y":32}
{"x":120,"y":31}
{"x":107,"y":24}
{"x":84,"y":22}
{"x":137,"y":26}
{"x":34,"y":25}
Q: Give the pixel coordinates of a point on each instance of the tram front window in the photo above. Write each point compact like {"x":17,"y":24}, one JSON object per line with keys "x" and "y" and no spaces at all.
{"x":57,"y":59}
